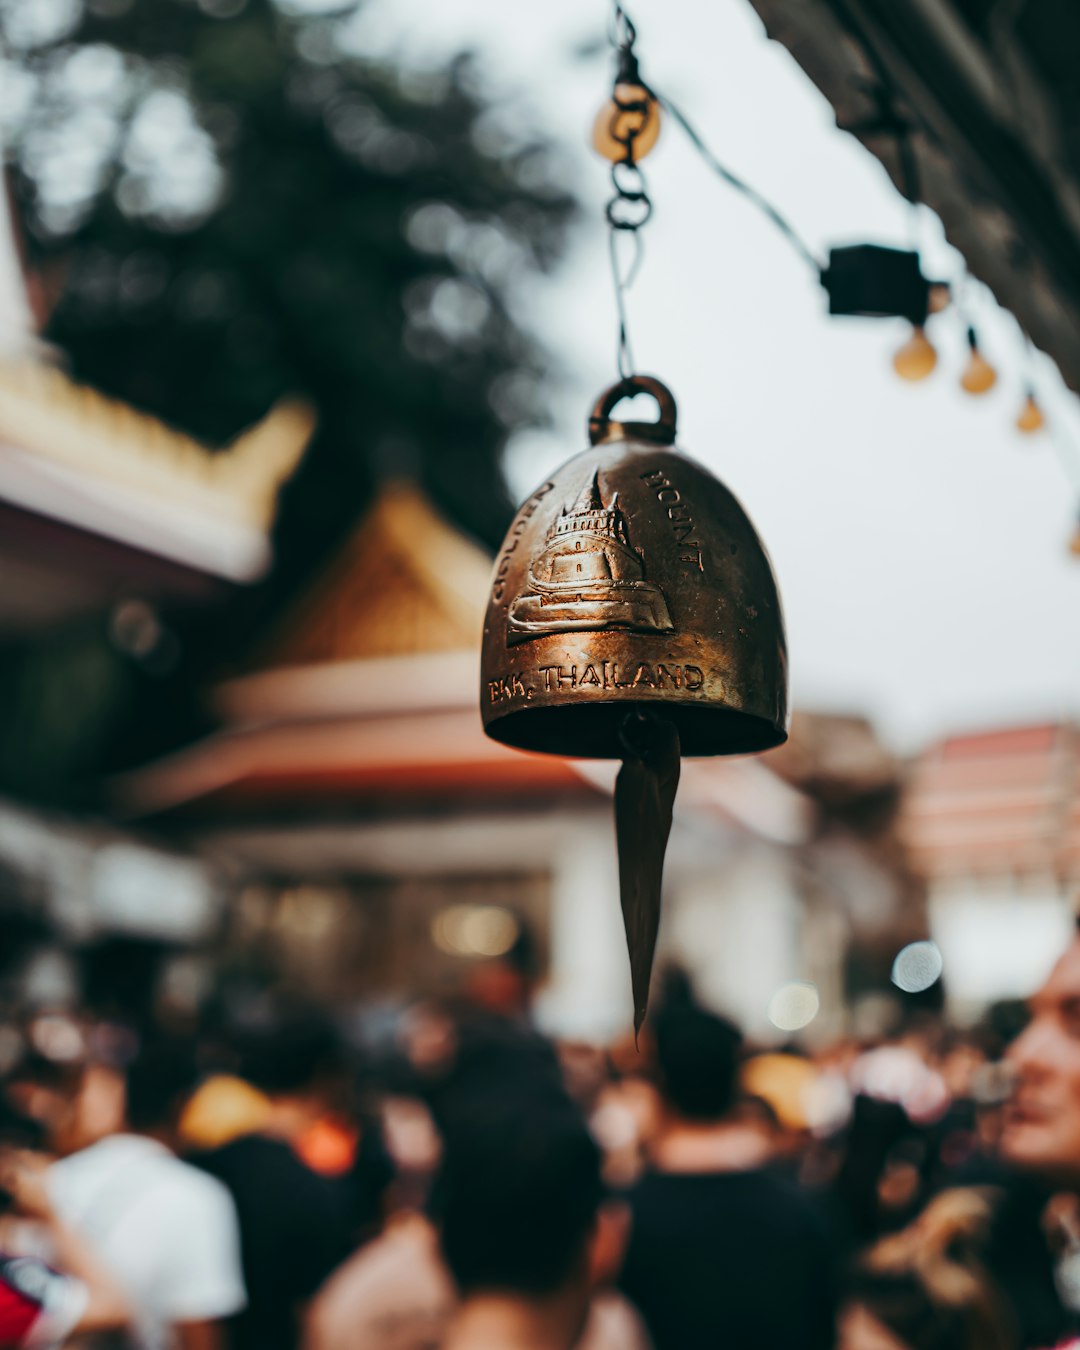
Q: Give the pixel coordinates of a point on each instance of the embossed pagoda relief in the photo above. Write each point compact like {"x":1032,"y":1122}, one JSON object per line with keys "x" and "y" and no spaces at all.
{"x":588,"y":576}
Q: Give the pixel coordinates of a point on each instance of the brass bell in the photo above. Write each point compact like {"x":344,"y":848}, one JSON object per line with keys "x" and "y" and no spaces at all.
{"x":634,"y":615}
{"x":633,"y":578}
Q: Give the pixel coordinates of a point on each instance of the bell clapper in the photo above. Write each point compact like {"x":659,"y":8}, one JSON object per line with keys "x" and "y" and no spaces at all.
{"x":644,"y":808}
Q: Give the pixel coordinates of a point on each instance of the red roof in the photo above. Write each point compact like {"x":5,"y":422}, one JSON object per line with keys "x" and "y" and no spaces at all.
{"x":1001,"y":802}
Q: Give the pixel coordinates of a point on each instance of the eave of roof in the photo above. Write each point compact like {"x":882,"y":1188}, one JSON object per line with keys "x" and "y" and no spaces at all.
{"x":988,"y":140}
{"x":70,"y":454}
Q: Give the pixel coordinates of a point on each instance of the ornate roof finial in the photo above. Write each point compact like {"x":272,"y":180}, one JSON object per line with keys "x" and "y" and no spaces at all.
{"x":590,"y":498}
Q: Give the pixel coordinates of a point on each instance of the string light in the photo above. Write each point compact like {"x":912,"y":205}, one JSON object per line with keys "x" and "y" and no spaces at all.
{"x":627,"y":129}
{"x":1031,"y":418}
{"x":740,"y":184}
{"x":916,"y":359}
{"x":628,"y":125}
{"x":979,"y":375}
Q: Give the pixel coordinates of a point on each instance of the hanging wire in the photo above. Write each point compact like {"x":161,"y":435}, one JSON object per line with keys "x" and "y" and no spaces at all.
{"x":623,"y":281}
{"x":740,"y":184}
{"x":623,"y":35}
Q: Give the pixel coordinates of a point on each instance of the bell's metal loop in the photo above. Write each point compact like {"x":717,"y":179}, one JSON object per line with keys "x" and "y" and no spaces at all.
{"x":632,"y":579}
{"x":662,"y":431}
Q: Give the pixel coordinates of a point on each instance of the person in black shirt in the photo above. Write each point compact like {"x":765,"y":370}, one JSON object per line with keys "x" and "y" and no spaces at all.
{"x":722,"y":1251}
{"x":296,"y":1226}
{"x":293,"y":1233}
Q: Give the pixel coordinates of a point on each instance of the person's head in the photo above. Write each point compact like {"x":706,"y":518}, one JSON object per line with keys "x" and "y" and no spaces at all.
{"x":928,"y":1287}
{"x":489,"y":1052}
{"x":75,"y":1104}
{"x":44,"y":1092}
{"x":297,"y":1062}
{"x":293,"y":1056}
{"x":20,"y":1131}
{"x":157,"y":1085}
{"x":1042,"y":1121}
{"x":504,"y":985}
{"x":518,"y":1199}
{"x":958,"y":1064}
{"x":698,"y":1056}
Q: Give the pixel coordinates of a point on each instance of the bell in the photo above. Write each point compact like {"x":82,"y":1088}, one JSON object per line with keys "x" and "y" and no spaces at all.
{"x":632,"y":580}
{"x":634,"y":615}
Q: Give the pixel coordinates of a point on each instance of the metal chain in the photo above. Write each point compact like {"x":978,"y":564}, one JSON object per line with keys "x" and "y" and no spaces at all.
{"x":637,"y":210}
{"x":630,"y":207}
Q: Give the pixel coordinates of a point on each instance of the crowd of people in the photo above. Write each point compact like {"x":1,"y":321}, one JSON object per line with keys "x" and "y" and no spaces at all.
{"x":477,"y":1186}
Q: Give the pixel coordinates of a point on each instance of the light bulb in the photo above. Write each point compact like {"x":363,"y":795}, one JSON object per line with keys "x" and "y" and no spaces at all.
{"x":1031,"y":417}
{"x":979,"y":375}
{"x":938,"y":297}
{"x":916,"y":358}
{"x":627,"y":125}
{"x":1074,"y":543}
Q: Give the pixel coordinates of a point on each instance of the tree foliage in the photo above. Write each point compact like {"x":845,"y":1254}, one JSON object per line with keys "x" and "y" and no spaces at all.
{"x":232,"y":204}
{"x":246,"y":208}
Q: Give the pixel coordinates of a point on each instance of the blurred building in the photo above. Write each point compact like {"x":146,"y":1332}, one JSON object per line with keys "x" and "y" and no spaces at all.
{"x":337,"y":823}
{"x":346,"y":830}
{"x":100,"y":502}
{"x":377,"y":842}
{"x":108,"y":520}
{"x":992,"y":822}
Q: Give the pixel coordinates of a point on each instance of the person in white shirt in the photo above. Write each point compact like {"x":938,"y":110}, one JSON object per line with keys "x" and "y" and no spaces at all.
{"x":42,"y":1305}
{"x":165,"y":1230}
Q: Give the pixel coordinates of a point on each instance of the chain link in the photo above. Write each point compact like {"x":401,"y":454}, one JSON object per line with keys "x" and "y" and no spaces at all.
{"x":630,"y":206}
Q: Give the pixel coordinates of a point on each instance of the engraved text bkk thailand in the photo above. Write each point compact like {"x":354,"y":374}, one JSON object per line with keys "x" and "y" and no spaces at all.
{"x":596,"y":675}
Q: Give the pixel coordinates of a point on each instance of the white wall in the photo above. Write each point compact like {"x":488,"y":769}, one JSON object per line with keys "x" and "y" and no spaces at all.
{"x":998,"y":938}
{"x":737,"y":930}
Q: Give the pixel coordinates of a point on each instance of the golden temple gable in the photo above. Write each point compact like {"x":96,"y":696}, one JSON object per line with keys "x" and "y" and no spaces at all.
{"x":406,"y":582}
{"x":45,"y":414}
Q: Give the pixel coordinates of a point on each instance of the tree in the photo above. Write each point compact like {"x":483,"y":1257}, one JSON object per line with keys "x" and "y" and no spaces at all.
{"x":242,"y":207}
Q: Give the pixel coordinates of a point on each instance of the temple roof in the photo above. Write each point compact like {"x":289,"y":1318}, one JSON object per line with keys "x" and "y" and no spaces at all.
{"x":368,"y":694}
{"x":71,"y":454}
{"x":999,"y":804}
{"x":405,"y":582}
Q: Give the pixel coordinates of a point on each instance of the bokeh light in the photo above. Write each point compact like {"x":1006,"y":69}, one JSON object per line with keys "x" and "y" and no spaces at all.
{"x":794,"y":1006}
{"x":917,"y":967}
{"x":474,"y":930}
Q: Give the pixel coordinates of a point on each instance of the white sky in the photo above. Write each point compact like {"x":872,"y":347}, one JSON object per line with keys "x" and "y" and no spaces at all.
{"x":920,"y":543}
